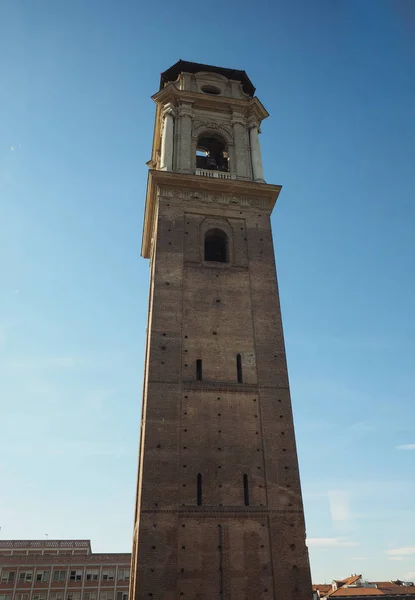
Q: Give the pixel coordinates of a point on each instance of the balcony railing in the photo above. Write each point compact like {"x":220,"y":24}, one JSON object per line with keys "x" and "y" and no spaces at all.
{"x":215,"y":174}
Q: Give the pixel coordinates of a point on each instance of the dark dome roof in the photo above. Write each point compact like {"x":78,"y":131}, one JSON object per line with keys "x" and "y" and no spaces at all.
{"x":183,"y":66}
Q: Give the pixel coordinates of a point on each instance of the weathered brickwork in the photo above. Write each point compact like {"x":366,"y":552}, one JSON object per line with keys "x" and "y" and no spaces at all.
{"x":219,"y":508}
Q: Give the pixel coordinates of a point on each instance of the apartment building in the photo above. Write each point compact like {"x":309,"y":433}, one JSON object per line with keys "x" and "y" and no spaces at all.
{"x":61,"y":570}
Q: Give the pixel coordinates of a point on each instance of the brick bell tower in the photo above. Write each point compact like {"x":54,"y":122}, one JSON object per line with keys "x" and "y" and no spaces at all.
{"x":219,"y":513}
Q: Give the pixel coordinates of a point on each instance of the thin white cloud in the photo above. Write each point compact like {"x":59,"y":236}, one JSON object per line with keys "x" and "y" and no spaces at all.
{"x":360,"y":558}
{"x":332,"y":542}
{"x":408,"y":550}
{"x":405,"y":447}
{"x":396,"y":558}
{"x":339,"y":505}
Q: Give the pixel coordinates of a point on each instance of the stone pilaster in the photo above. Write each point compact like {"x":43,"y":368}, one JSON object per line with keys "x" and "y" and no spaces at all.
{"x":256,"y":159}
{"x":184,"y":159}
{"x":166,"y":157}
{"x":242,"y":166}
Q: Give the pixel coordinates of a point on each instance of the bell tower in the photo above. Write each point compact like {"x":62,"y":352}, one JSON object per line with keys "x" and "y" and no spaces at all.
{"x":219,"y":512}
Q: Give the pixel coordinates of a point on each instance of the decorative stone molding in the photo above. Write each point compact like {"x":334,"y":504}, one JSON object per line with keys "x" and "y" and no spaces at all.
{"x":199,"y":127}
{"x":238,"y":119}
{"x":253,"y":122}
{"x":185,"y":110}
{"x":168,"y":109}
{"x":206,"y":197}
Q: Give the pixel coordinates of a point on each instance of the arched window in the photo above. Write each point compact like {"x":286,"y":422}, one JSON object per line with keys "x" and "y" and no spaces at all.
{"x":216,"y":246}
{"x":211,"y":154}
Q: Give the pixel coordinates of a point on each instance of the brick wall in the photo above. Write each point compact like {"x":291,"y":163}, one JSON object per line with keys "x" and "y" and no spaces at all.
{"x":217,"y":428}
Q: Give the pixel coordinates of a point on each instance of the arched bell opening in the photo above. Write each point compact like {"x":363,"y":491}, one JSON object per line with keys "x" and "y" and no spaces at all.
{"x":212,"y":153}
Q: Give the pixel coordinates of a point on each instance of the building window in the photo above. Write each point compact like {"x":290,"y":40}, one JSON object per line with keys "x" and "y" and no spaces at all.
{"x":123,"y":574}
{"x":5,"y":597}
{"x":56,"y":596}
{"x":199,"y":369}
{"x":92,"y":574}
{"x":25,"y":576}
{"x":106,"y":596}
{"x":239,"y":368}
{"x":210,"y":89}
{"x":199,"y":496}
{"x":7,"y":576}
{"x":21,"y":597}
{"x":59,"y":576}
{"x":108,"y":574}
{"x":76,"y":575}
{"x":246,"y":490}
{"x":73,"y":596}
{"x":216,"y":246}
{"x":42,"y":576}
{"x":41,"y":596}
{"x":122,"y":595}
{"x":90,"y":596}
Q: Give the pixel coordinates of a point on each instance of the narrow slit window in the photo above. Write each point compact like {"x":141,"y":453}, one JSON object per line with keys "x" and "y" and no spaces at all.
{"x":239,"y":367}
{"x":246,"y":490}
{"x":199,"y":489}
{"x":199,"y":369}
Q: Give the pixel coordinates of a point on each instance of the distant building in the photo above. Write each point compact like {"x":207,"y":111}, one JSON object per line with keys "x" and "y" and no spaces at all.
{"x":357,"y":588}
{"x":61,"y":570}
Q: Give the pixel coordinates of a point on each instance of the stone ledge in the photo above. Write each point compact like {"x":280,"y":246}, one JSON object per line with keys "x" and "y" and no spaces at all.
{"x":234,"y":511}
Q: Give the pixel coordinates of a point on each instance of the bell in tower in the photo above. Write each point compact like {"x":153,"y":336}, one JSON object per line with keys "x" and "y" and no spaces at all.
{"x":219,"y":511}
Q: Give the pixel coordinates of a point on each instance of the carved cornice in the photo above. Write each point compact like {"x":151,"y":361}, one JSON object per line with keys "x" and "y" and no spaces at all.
{"x":246,"y":106}
{"x":212,"y":198}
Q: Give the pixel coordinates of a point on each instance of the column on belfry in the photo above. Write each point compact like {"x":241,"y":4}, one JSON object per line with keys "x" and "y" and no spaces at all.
{"x":241,"y":168}
{"x":257,"y":172}
{"x":184,"y":158}
{"x":166,"y":154}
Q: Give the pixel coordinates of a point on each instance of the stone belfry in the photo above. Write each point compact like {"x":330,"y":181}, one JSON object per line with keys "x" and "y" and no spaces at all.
{"x":219,"y":512}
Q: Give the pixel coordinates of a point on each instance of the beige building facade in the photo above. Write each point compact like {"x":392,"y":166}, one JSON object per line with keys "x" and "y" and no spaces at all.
{"x":219,"y":511}
{"x":61,"y":570}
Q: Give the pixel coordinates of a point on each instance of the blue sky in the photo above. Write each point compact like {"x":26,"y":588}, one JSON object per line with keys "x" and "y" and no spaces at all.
{"x":76,"y":131}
